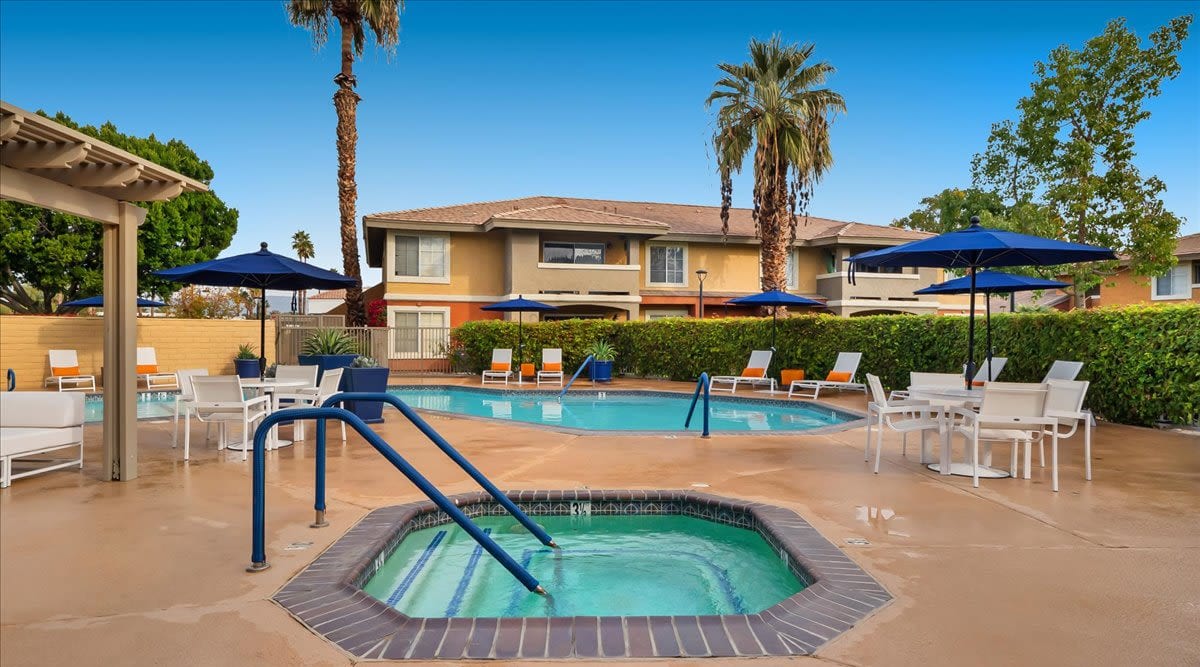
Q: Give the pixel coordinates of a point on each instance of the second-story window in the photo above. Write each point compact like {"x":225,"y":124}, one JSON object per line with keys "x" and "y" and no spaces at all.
{"x":558,"y":252}
{"x":667,"y":265}
{"x":421,"y":256}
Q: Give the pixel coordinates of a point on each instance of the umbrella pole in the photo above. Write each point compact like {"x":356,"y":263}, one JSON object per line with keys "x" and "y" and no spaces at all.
{"x":970,"y":372}
{"x":774,"y":325}
{"x":262,"y":333}
{"x":990,"y":351}
{"x":520,"y":347}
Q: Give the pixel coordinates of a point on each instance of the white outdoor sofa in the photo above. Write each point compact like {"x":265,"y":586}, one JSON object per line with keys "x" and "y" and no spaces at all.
{"x":37,"y":422}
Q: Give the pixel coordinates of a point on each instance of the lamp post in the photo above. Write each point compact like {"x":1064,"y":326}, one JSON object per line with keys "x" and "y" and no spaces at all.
{"x":701,"y":274}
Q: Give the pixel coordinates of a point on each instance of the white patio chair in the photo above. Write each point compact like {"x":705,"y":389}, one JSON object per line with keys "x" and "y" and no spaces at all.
{"x":551,"y":366}
{"x":1010,"y":411}
{"x":219,"y":399}
{"x":1063,"y":370}
{"x":310,"y":397}
{"x":501,"y":369}
{"x":841,"y":378}
{"x":184,"y":399}
{"x":1064,"y":404}
{"x":148,"y":372}
{"x":903,"y":417}
{"x":64,"y":372}
{"x":754,"y":373}
{"x":919,"y":379}
{"x":988,"y":371}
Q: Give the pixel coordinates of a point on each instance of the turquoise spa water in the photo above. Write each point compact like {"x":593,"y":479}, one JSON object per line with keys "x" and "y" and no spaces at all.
{"x":631,"y":565}
{"x":621,"y":410}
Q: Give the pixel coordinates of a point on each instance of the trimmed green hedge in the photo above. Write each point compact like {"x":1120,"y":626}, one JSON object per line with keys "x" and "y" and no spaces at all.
{"x":1143,"y":362}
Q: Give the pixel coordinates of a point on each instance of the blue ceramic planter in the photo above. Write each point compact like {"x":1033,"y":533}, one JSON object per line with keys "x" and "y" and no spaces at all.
{"x":601,"y":371}
{"x":247,"y":369}
{"x":370,"y":380}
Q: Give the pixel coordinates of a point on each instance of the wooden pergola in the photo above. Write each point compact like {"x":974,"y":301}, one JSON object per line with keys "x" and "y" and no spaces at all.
{"x":52,"y":166}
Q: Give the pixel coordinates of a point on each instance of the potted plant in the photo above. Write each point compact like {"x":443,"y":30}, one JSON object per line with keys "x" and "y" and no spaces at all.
{"x":326,"y":349}
{"x":246,"y":362}
{"x":602,"y":360}
{"x":366,"y":375}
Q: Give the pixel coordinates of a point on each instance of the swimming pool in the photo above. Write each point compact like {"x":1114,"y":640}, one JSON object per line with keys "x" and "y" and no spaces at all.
{"x":638,"y":565}
{"x":623,"y":410}
{"x":150,"y":405}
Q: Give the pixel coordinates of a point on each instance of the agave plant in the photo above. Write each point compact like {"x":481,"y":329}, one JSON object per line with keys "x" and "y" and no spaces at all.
{"x":328,"y":341}
{"x":363,"y":361}
{"x":246,"y":351}
{"x":602,"y":350}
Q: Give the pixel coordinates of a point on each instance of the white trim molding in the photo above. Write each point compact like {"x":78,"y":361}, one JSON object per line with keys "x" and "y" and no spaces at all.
{"x":882,"y":303}
{"x":650,"y":245}
{"x":452,"y":298}
{"x":864,"y":274}
{"x":579,"y":267}
{"x":389,"y":259}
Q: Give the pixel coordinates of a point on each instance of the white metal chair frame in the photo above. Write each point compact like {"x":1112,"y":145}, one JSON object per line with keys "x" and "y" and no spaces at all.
{"x":552,"y":355}
{"x":499,"y":356}
{"x":184,"y":399}
{"x":68,"y":359}
{"x":758,"y":359}
{"x":920,"y":379}
{"x":226,"y":409}
{"x":1010,"y":411}
{"x":146,"y":356}
{"x":1063,"y":370}
{"x":918,"y":416}
{"x":312,"y":397}
{"x":988,"y":371}
{"x":847,"y":362}
{"x":1064,"y":404}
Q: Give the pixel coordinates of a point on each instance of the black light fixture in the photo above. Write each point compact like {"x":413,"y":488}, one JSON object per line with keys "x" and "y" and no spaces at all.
{"x":701,"y":274}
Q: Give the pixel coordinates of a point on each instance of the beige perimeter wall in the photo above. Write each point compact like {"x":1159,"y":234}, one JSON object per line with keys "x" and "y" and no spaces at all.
{"x":181,"y":343}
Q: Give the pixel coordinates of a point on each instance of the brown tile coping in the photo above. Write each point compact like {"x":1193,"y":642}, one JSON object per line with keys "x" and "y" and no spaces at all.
{"x":327,"y":596}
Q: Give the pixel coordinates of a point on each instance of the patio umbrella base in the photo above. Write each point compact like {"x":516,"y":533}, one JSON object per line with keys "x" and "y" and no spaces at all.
{"x":964,"y":470}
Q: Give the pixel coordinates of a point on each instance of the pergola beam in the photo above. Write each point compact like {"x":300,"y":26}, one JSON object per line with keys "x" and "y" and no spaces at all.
{"x":98,"y":176}
{"x":9,"y":125}
{"x":43,"y":156}
{"x":143,"y":191}
{"x":28,"y":188}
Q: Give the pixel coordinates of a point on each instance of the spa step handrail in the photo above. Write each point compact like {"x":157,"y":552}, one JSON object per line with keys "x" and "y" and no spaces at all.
{"x":579,"y":370}
{"x":701,"y":384}
{"x":437,"y":439}
{"x":258,"y":553}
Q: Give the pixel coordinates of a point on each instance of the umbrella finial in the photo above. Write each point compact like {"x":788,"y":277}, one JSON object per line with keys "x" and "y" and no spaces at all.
{"x":263,"y":246}
{"x":974,"y":222}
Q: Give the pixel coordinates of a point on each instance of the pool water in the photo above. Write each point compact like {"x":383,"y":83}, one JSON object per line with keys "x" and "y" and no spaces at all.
{"x":624,"y":565}
{"x":622,"y":410}
{"x":150,"y":405}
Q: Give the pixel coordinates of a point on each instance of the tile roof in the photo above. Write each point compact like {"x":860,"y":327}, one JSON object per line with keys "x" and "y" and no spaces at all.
{"x":680,"y":218}
{"x":1188,"y":245}
{"x":329,"y":294}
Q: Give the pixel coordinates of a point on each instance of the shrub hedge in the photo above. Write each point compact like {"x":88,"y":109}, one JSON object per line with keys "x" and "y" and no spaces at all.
{"x":1143,"y":361}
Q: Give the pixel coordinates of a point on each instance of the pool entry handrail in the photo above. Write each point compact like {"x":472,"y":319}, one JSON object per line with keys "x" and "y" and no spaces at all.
{"x":701,"y":384}
{"x":437,"y":439}
{"x":579,"y":370}
{"x":258,"y":555}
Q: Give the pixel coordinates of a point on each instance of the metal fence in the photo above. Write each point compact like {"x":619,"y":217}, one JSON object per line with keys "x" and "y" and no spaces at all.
{"x":403,"y":349}
{"x":287,"y":320}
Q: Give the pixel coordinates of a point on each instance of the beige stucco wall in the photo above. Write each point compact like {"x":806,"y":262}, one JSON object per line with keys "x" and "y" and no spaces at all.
{"x":179,"y":343}
{"x":731,"y":267}
{"x":476,"y":268}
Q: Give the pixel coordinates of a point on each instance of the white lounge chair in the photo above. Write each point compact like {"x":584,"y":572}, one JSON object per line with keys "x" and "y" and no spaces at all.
{"x":501,"y":369}
{"x":37,"y":422}
{"x":1063,"y":370}
{"x":754,"y":373}
{"x":307,"y":397}
{"x":1010,"y":411}
{"x":988,"y":372}
{"x":919,"y":379}
{"x":64,"y":372}
{"x":185,"y":397}
{"x":903,"y":417}
{"x":551,"y":366}
{"x":219,"y":399}
{"x":842,"y":377}
{"x":147,"y":371}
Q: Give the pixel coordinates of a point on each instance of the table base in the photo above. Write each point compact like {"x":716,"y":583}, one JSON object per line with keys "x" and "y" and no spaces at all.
{"x":964,"y":470}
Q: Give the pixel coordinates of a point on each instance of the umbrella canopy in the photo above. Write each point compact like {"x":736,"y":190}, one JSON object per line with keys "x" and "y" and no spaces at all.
{"x":262,"y":270}
{"x":773,"y":298}
{"x":98,"y":302}
{"x":978,"y":247}
{"x":520,"y":305}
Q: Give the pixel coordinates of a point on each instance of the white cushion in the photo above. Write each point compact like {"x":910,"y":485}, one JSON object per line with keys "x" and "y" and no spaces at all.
{"x":15,"y":441}
{"x":40,"y":409}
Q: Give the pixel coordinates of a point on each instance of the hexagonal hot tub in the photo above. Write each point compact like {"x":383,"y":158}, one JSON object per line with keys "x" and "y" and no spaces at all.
{"x":639,"y":574}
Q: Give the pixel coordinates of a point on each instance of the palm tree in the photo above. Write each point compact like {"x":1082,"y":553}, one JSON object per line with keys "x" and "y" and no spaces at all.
{"x":772,"y":105}
{"x":302,"y":245}
{"x":353,"y":17}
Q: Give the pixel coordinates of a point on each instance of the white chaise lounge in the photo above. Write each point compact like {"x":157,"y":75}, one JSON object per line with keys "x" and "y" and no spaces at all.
{"x":551,"y":366}
{"x":148,"y":371}
{"x":754,"y":373}
{"x":501,"y":369}
{"x":38,"y":422}
{"x":841,"y":377}
{"x":64,"y":372}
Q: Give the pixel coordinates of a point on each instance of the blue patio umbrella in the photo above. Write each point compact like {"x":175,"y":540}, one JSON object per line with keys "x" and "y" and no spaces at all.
{"x":991,"y":282}
{"x":975,"y":248}
{"x":98,"y":302}
{"x":262,"y":270}
{"x":520,"y":305}
{"x":773,"y":298}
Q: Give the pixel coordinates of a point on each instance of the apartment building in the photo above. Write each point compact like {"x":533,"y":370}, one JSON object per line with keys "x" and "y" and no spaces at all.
{"x":619,"y":260}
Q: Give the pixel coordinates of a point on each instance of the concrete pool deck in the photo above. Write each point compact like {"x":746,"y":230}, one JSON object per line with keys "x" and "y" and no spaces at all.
{"x":151,"y":571}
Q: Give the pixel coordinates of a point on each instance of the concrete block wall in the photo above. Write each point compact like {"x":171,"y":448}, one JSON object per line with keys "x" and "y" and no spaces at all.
{"x":179,"y":343}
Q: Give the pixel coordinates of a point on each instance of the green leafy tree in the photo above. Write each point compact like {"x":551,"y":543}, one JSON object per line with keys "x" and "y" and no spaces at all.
{"x":951,"y":209}
{"x":354,"y":18}
{"x":773,"y":106}
{"x":48,"y":257}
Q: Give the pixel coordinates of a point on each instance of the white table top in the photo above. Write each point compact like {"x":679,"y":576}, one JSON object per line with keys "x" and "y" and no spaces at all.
{"x":954,"y":393}
{"x":272,"y":383}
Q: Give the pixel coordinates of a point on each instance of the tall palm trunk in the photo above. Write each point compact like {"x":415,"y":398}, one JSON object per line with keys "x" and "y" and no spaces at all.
{"x":345,"y":102}
{"x":773,"y":217}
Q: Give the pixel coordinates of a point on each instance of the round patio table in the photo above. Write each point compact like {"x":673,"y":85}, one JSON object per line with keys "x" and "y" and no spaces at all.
{"x":268,"y":386}
{"x":950,"y":397}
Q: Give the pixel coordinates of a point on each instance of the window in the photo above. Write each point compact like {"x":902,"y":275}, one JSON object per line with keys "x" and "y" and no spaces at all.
{"x":652,"y":315}
{"x":418,"y":334}
{"x":572,"y":253}
{"x":1172,"y":285}
{"x":667,"y":265}
{"x":793,"y":270}
{"x":1196,"y":274}
{"x":878,"y":269}
{"x":421,"y":256}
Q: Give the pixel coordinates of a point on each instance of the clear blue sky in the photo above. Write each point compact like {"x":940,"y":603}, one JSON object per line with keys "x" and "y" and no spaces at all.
{"x":497,"y":100}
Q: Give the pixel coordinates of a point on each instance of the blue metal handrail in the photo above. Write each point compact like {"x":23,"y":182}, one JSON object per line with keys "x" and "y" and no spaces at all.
{"x":12,"y":380}
{"x":582,"y":366}
{"x":258,"y":553}
{"x":701,"y":383}
{"x":437,"y":439}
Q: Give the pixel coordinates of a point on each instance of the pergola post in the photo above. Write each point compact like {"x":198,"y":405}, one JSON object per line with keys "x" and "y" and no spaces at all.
{"x":120,"y":343}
